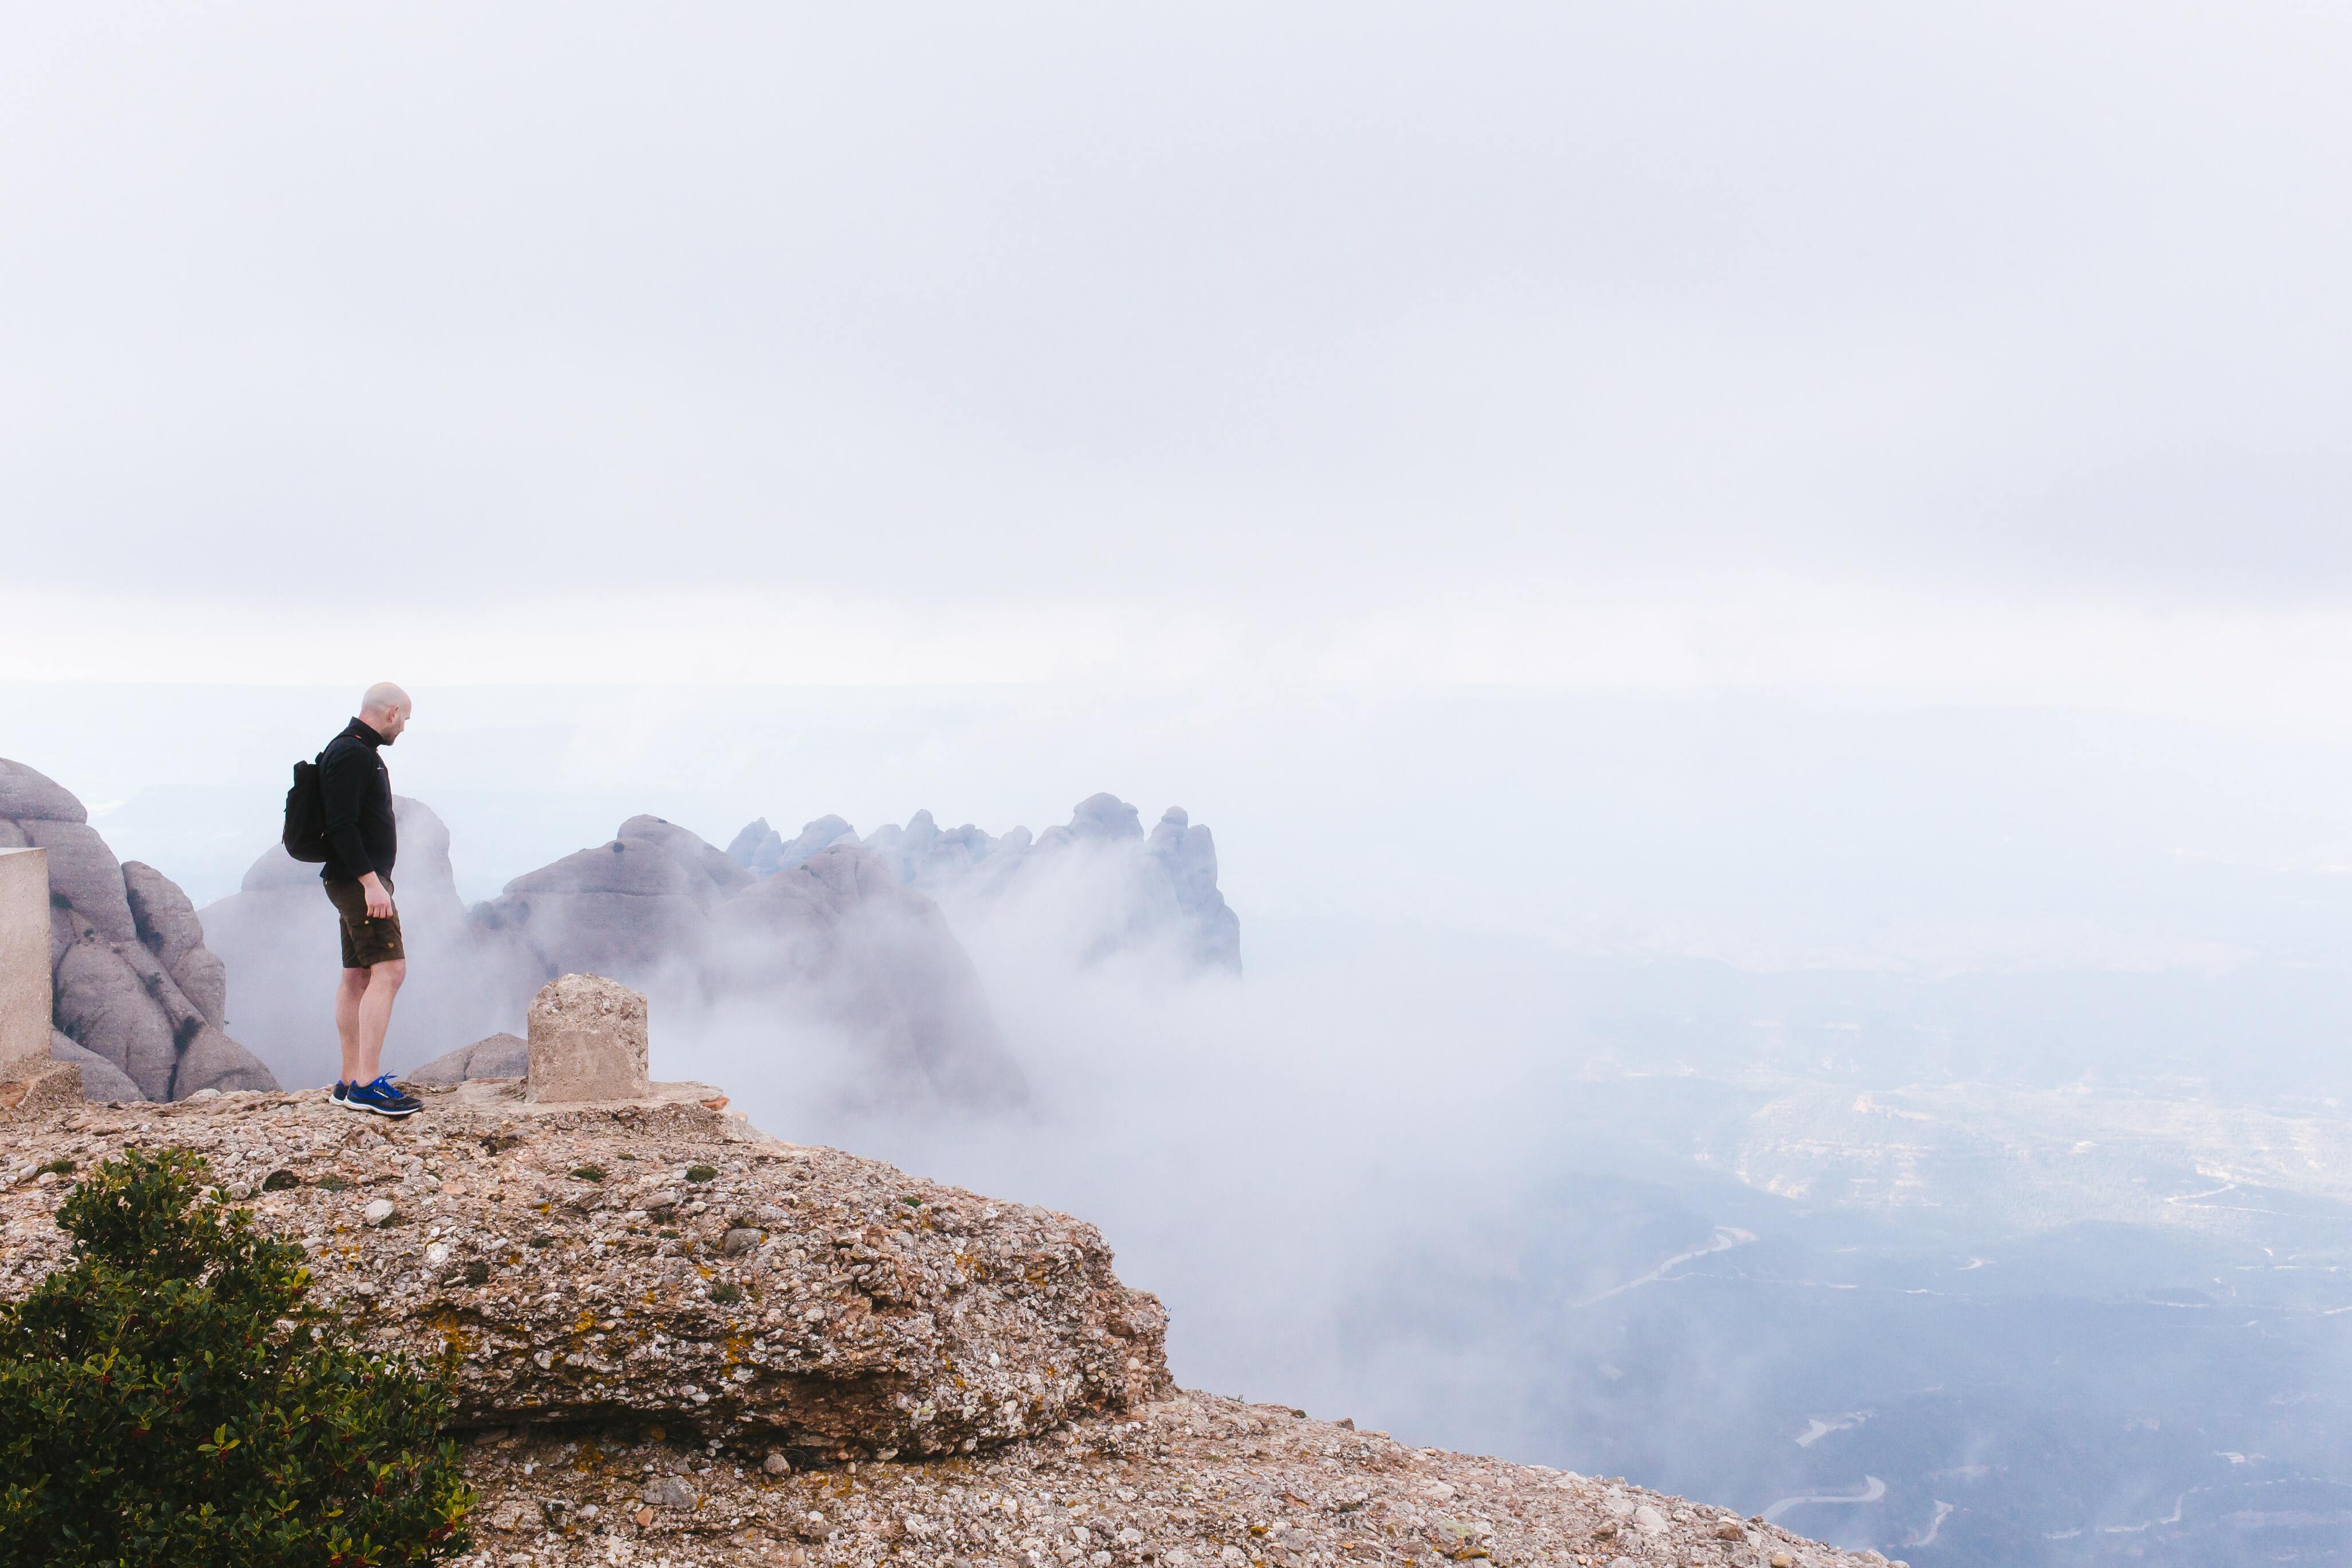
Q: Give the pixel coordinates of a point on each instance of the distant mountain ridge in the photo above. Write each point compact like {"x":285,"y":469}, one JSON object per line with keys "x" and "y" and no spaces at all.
{"x":1169,"y":876}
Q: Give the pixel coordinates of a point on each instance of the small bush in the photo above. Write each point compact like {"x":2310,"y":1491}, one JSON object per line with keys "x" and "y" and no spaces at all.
{"x":588,"y":1173}
{"x":543,"y":1241}
{"x":280,"y":1182}
{"x":477,"y":1272}
{"x":725,"y":1294}
{"x":169,"y":1397}
{"x":334,"y":1183}
{"x":58,"y":1168}
{"x":700,"y":1173}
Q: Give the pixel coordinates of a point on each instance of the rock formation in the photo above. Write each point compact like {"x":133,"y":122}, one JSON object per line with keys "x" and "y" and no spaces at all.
{"x":830,"y":940}
{"x":134,"y":984}
{"x":684,"y":1343}
{"x":1120,"y":888}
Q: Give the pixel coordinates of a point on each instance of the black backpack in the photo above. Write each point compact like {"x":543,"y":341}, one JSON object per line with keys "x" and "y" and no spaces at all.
{"x":306,"y":815}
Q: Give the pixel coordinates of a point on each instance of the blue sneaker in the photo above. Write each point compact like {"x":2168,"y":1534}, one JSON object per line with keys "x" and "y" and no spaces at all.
{"x":341,"y":1089}
{"x":380,"y":1097}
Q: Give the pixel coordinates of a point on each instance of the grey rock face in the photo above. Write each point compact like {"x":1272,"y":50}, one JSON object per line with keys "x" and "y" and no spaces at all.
{"x":622,"y":909}
{"x":26,"y":795}
{"x":166,"y":921}
{"x":103,"y":1007}
{"x":715,"y":875}
{"x":132,"y":984}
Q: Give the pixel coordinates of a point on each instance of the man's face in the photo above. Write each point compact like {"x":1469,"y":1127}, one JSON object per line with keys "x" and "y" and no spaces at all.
{"x":389,"y":725}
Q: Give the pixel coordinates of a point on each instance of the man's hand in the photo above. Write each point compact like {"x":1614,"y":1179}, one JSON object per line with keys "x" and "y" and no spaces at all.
{"x":379,"y":901}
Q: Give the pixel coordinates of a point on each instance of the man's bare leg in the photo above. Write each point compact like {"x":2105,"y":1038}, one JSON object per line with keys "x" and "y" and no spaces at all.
{"x":352,"y":986}
{"x":364,"y":1057}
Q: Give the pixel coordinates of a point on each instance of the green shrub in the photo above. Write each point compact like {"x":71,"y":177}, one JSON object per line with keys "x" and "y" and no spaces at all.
{"x":726,"y":1294}
{"x":169,"y":1397}
{"x":588,"y":1173}
{"x":58,"y":1168}
{"x":700,"y":1173}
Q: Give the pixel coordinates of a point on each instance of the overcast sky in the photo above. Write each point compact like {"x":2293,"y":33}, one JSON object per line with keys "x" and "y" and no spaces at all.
{"x":1990,"y":352}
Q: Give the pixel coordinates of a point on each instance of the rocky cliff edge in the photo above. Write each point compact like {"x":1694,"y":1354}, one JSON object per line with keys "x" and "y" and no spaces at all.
{"x":682,"y":1342}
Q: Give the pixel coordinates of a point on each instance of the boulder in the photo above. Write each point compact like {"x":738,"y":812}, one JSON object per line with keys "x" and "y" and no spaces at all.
{"x":182,"y":1016}
{"x":100,"y":1079}
{"x":165,"y":920}
{"x":588,"y":1041}
{"x":103,"y":1006}
{"x":26,"y":795}
{"x":203,"y":979}
{"x":212,"y":1060}
{"x":497,"y":1055}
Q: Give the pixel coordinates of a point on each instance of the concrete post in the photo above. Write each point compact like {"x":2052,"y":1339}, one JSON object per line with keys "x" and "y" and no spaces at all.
{"x":587,"y":1041}
{"x":24,"y":959}
{"x":29,"y":1078}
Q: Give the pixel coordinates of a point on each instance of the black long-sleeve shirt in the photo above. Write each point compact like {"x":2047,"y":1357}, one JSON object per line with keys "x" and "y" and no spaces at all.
{"x":361,"y":837}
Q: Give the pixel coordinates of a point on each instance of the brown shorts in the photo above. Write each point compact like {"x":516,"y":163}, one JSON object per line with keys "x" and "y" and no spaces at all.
{"x":366,"y":941}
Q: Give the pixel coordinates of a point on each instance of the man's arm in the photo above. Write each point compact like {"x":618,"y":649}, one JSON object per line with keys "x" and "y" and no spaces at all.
{"x":343,"y":778}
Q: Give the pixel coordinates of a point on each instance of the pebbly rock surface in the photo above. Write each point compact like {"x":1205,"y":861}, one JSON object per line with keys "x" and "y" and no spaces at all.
{"x":1187,"y":1481}
{"x":132,"y":984}
{"x":653,"y":1260}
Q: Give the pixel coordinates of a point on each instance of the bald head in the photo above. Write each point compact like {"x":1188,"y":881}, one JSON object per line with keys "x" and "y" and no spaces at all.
{"x":385,"y":710}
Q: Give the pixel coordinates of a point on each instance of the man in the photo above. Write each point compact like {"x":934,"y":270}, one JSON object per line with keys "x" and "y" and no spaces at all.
{"x":361,"y":842}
